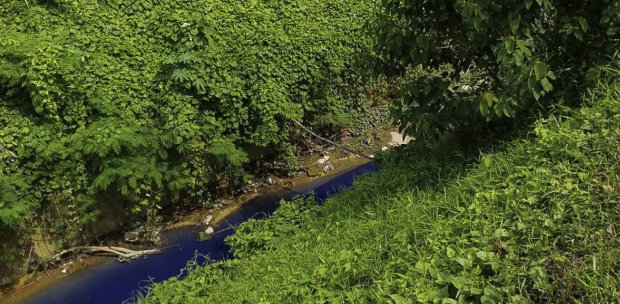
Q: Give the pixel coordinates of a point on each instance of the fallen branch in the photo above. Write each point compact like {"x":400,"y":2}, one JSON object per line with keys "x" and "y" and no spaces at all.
{"x":331,"y":142}
{"x":123,"y":254}
{"x":28,"y":260}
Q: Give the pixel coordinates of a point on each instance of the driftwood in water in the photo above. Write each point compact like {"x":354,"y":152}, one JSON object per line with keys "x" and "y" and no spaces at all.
{"x":123,"y":254}
{"x":329,"y":141}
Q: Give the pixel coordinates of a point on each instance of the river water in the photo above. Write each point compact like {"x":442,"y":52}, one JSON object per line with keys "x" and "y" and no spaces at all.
{"x":113,"y":282}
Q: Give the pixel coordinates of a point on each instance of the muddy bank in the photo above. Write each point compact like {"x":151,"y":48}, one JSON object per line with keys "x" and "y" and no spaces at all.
{"x":331,"y":161}
{"x":111,"y":282}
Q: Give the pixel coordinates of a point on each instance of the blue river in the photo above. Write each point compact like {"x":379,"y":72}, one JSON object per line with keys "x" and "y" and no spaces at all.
{"x":118,"y":282}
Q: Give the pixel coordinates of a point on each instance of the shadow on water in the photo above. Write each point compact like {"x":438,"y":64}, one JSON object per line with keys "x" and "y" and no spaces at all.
{"x":115,"y":282}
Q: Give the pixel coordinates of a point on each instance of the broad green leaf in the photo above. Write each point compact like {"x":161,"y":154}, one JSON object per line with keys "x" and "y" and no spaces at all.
{"x":546,"y":85}
{"x":509,"y":44}
{"x":584,"y":24}
{"x":540,"y":70}
{"x":579,"y":35}
{"x":484,"y":108}
{"x":422,"y":42}
{"x":536,"y":94}
{"x":518,"y":55}
{"x":489,"y":98}
{"x":514,"y":25}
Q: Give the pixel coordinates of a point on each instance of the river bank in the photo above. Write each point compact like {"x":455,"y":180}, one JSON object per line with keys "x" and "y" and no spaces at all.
{"x":111,"y":282}
{"x":332,"y":160}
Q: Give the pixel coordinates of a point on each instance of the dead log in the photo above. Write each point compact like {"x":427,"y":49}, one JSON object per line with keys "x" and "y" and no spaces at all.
{"x":123,"y":254}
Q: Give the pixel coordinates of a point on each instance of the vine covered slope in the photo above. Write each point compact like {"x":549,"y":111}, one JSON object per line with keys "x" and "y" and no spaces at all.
{"x":159,"y":100}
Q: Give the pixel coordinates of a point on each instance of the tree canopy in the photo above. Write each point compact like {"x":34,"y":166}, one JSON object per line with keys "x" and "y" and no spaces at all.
{"x":485,"y":60}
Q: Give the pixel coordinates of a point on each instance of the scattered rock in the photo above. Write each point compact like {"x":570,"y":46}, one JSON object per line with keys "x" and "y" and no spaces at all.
{"x":384,"y":148}
{"x":328,"y":167}
{"x":611,"y":229}
{"x":323,"y":159}
{"x":207,"y":220}
{"x":609,"y":189}
{"x":131,"y":236}
{"x":315,"y":170}
{"x":156,"y":237}
{"x":203,"y":235}
{"x":65,"y":267}
{"x":398,"y":139}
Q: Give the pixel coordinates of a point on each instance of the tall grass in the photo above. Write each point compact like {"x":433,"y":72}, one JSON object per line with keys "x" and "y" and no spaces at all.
{"x":535,"y":222}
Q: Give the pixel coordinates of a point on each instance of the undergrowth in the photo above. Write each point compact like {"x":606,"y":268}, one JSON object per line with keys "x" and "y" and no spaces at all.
{"x":535,"y":221}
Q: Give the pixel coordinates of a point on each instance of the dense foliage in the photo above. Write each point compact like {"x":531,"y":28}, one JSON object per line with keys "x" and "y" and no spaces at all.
{"x":534,"y":222}
{"x":489,"y":60}
{"x":162,"y":99}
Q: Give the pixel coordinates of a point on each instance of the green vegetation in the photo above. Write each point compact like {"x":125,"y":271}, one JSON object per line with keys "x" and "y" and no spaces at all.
{"x":490,"y":60}
{"x":155,"y":101}
{"x":533,"y":221}
{"x":159,"y":100}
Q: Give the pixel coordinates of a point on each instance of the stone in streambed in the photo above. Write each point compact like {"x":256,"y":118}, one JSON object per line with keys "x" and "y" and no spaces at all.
{"x":131,"y":236}
{"x":398,"y":139}
{"x":323,"y":159}
{"x":315,"y":170}
{"x":207,"y":220}
{"x":203,"y":235}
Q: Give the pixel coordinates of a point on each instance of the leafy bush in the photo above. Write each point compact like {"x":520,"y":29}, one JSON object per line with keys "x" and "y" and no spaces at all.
{"x":160,"y":100}
{"x":537,"y":223}
{"x":486,"y":60}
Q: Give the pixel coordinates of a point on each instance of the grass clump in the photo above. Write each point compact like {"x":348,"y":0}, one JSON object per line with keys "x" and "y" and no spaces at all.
{"x":536,"y":221}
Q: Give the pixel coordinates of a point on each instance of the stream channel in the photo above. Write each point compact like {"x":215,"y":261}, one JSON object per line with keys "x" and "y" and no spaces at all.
{"x":113,"y":282}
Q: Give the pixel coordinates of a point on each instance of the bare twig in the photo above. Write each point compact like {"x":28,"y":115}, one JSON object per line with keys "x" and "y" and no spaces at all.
{"x":329,"y":141}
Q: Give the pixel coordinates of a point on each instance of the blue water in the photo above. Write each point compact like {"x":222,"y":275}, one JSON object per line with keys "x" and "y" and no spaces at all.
{"x":115,"y":282}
